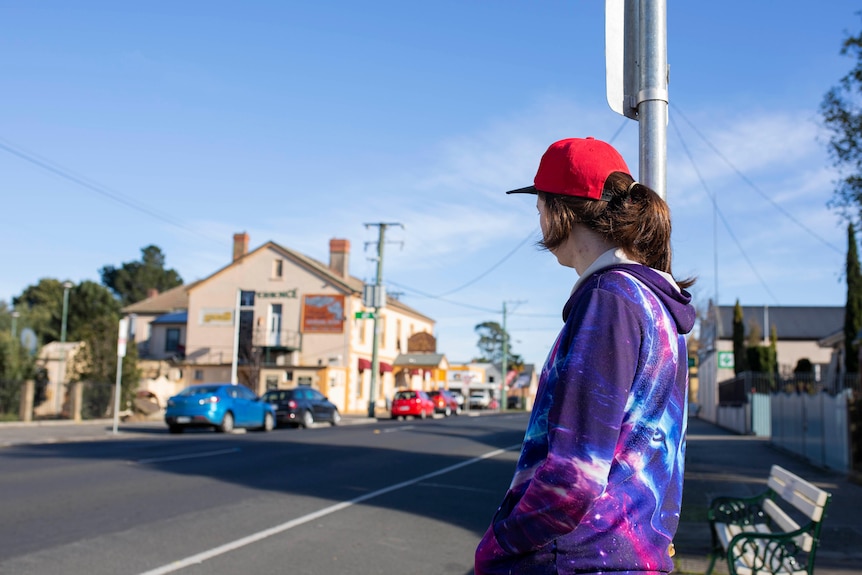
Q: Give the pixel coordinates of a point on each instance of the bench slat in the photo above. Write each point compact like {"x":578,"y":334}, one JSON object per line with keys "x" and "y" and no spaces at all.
{"x":761,"y":556}
{"x":787,"y":524}
{"x":808,"y":498}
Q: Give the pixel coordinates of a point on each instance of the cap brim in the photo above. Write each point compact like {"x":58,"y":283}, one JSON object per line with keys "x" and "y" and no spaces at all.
{"x":527,"y":190}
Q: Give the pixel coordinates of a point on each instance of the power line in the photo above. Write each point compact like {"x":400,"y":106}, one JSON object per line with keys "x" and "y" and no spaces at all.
{"x":461,"y":304}
{"x":753,"y":186}
{"x":493,"y":267}
{"x":720,"y":214}
{"x":65,"y":173}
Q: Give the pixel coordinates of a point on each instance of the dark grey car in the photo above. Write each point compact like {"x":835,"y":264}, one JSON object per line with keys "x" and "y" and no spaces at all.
{"x":301,"y":406}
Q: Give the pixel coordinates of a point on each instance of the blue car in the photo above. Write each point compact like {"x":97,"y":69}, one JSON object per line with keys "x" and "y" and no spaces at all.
{"x":219,"y":405}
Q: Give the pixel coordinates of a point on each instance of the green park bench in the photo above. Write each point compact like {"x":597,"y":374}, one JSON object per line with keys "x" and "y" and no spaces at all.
{"x":775,"y":532}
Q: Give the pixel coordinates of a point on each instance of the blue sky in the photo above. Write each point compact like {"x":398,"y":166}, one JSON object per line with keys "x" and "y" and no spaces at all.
{"x":299,"y":122}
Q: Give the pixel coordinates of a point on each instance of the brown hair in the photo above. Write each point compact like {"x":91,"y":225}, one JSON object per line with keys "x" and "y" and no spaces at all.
{"x":635,"y":218}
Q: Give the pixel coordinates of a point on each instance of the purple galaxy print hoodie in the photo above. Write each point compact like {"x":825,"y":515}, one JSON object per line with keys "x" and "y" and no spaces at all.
{"x":598,"y":484}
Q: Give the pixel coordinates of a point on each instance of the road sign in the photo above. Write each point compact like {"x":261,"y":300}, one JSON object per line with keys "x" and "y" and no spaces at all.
{"x":725,"y":360}
{"x":364,"y":315}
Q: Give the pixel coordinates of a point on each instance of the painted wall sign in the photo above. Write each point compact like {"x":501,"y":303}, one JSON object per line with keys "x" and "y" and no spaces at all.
{"x":216,"y":316}
{"x":323,"y":314}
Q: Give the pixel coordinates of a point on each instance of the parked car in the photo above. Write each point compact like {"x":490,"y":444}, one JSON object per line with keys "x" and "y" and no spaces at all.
{"x":480,"y":399}
{"x":220,"y":405}
{"x":412,"y":402}
{"x":301,"y":406}
{"x":444,"y":402}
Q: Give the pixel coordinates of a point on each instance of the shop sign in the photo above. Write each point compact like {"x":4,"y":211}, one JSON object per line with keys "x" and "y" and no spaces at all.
{"x":289,"y":294}
{"x":216,"y":316}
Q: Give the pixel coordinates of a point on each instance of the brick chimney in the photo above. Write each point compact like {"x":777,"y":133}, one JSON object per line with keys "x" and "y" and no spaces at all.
{"x":240,"y":245}
{"x":339,"y":256}
{"x":152,"y":292}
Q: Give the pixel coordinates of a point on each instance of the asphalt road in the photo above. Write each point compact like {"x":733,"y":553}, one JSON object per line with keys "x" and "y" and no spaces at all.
{"x":388,"y":497}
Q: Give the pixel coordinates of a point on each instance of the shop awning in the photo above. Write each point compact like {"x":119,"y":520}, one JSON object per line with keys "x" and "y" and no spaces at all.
{"x":364,"y":364}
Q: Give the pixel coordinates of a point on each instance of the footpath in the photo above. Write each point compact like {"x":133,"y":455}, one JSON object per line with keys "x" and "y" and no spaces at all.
{"x":718,"y":462}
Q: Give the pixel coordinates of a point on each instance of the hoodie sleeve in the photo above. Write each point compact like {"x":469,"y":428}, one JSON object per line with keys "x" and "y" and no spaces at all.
{"x":590,"y":380}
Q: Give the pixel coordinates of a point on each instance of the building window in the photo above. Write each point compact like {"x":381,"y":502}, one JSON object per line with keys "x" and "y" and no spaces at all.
{"x":246,"y":298}
{"x":398,"y":336}
{"x":199,"y":375}
{"x":277,"y":269}
{"x":172,"y":339}
{"x":272,"y":382}
{"x":304,"y":380}
{"x":288,"y":375}
{"x":363,"y":325}
{"x":382,"y":321}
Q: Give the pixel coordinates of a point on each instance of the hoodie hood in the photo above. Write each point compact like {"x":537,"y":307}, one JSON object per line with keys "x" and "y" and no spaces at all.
{"x":677,"y":301}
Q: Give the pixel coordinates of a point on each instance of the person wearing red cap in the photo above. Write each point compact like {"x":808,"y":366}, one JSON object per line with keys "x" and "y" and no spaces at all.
{"x":598,"y":484}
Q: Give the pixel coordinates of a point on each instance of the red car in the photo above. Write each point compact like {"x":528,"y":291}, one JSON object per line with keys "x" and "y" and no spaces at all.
{"x":412,"y":402}
{"x":444,"y":402}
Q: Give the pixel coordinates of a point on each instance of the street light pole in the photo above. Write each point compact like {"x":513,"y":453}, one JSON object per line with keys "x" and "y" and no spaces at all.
{"x":15,"y":316}
{"x":61,"y":372}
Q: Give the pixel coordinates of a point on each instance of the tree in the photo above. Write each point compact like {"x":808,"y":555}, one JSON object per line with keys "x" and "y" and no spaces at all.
{"x":490,"y":344}
{"x":131,"y":281}
{"x":41,"y":308}
{"x":740,"y":362}
{"x":841,"y":110}
{"x":93,"y":316}
{"x":853,"y":307}
{"x":96,"y":366}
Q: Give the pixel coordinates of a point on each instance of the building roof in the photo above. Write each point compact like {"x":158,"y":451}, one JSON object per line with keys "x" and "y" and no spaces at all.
{"x":176,"y":317}
{"x":348,"y":283}
{"x":418,"y":359}
{"x":174,"y":299}
{"x":791,"y":322}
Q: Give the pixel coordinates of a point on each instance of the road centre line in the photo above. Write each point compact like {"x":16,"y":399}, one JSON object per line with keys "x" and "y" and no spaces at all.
{"x":187,"y":456}
{"x":260,"y":535}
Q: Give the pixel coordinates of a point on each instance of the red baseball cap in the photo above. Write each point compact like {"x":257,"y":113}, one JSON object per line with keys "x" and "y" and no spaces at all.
{"x":576,"y":167}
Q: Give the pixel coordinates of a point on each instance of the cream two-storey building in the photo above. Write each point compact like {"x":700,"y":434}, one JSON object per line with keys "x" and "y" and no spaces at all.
{"x":274,"y":318}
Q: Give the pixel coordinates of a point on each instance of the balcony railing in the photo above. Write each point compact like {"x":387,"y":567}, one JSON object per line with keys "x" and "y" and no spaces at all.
{"x":283,"y":339}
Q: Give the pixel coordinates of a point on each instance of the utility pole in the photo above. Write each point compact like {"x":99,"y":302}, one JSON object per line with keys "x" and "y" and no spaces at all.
{"x":377,"y":300}
{"x":503,"y":396}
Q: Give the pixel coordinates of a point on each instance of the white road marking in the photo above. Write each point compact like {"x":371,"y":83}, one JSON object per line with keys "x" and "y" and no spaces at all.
{"x":187,"y":456}
{"x":260,"y":535}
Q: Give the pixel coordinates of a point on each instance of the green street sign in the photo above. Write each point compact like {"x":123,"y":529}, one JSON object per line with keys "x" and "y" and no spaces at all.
{"x":364,"y":315}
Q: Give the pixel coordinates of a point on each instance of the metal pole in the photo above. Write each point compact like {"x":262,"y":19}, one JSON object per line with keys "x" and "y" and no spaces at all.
{"x":233,"y":366}
{"x":503,"y":397}
{"x":117,"y":384}
{"x":375,"y":344}
{"x":122,"y":334}
{"x":652,"y":98}
{"x":61,"y":371}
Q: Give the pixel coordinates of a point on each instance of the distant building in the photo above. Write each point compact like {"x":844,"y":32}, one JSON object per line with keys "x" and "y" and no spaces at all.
{"x":283,"y":319}
{"x":801,"y":332}
{"x":58,"y":361}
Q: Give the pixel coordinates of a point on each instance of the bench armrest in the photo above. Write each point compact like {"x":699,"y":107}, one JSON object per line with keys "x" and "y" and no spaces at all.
{"x":737,"y":510}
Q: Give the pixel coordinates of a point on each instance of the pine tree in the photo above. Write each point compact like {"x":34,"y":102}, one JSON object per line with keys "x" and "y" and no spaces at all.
{"x":740,"y":362}
{"x":853,"y":307}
